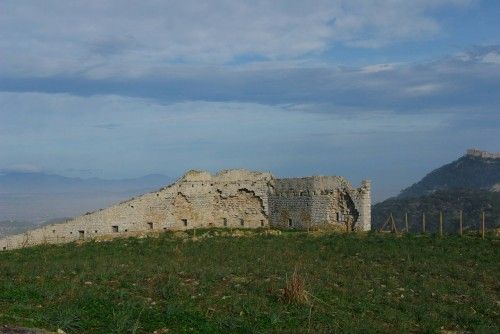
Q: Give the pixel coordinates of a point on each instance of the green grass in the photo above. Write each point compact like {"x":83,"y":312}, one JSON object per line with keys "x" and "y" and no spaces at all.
{"x":223,"y":284}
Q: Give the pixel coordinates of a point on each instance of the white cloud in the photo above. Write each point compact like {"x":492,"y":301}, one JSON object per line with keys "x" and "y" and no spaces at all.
{"x":21,"y":168}
{"x":100,"y":38}
{"x":491,"y":57}
{"x":424,"y":89}
{"x":448,"y":82}
{"x":376,"y":68}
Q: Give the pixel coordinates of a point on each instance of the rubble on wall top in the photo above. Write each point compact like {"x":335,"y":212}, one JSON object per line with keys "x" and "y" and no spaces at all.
{"x":226,"y":175}
{"x":314,"y":182}
{"x":196,"y":175}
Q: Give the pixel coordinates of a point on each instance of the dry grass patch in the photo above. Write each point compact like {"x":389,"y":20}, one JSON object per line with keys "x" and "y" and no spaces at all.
{"x":295,"y":291}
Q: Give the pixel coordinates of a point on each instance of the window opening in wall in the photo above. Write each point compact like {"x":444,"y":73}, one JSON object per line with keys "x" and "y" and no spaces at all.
{"x":70,"y":232}
{"x":339,"y":217}
{"x":4,"y":248}
{"x":150,"y":225}
{"x":95,"y":231}
{"x":290,"y":223}
{"x":261,"y":223}
{"x":242,"y":222}
{"x":53,"y":231}
{"x":184,"y":222}
{"x":126,"y":230}
{"x":115,"y":228}
{"x":81,"y":234}
{"x":224,"y":221}
{"x":164,"y":228}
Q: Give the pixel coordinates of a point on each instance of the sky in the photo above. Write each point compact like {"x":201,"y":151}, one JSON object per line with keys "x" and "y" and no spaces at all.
{"x":385,"y":90}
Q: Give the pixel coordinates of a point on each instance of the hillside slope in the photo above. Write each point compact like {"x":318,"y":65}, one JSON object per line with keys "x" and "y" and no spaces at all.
{"x":469,"y":172}
{"x":449,"y":201}
{"x":469,"y":184}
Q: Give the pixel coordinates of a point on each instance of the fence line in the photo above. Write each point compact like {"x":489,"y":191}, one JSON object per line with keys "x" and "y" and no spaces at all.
{"x":391,"y":224}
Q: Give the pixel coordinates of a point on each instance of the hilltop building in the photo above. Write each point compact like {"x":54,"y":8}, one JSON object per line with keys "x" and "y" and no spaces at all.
{"x":231,"y":198}
{"x":483,"y":154}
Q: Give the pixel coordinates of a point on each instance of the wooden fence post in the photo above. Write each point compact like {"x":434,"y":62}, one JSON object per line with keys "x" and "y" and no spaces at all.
{"x":387,"y":221}
{"x":393,"y":225}
{"x":392,"y":222}
{"x":482,"y":225}
{"x":461,"y":222}
{"x":423,"y":222}
{"x":441,"y":223}
{"x":406,"y":222}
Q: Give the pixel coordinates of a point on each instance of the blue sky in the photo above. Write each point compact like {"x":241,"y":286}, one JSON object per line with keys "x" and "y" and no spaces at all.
{"x":382,"y":89}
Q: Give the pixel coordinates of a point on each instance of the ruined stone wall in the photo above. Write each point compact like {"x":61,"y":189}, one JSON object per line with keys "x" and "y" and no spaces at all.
{"x":233,"y":198}
{"x":319,"y":201}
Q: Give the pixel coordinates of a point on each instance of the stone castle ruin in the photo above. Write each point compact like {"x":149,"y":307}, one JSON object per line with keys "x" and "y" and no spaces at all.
{"x":231,"y":198}
{"x":482,"y":154}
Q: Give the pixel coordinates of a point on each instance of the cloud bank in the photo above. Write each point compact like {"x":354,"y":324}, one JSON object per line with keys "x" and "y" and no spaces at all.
{"x":127,"y":88}
{"x":103,"y":39}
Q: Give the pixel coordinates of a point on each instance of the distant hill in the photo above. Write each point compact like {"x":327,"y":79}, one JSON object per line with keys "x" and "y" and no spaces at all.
{"x":14,"y":227}
{"x":15,"y":182}
{"x":27,"y":198}
{"x":470,"y":184}
{"x":472,"y":171}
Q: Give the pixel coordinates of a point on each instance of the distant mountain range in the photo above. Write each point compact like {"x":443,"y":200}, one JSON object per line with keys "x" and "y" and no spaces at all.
{"x":15,"y":182}
{"x":470,"y":184}
{"x":14,"y":226}
{"x":33,"y":198}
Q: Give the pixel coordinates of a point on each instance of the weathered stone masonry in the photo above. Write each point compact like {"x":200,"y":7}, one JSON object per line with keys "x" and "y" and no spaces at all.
{"x":232,"y":198}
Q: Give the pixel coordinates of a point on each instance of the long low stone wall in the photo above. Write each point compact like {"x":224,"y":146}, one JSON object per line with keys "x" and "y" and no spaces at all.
{"x":232,"y":198}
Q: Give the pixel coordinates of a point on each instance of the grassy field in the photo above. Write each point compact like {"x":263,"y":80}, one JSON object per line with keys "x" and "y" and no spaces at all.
{"x":234,"y":284}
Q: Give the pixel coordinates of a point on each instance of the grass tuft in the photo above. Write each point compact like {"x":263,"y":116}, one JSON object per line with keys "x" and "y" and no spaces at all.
{"x":295,"y":291}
